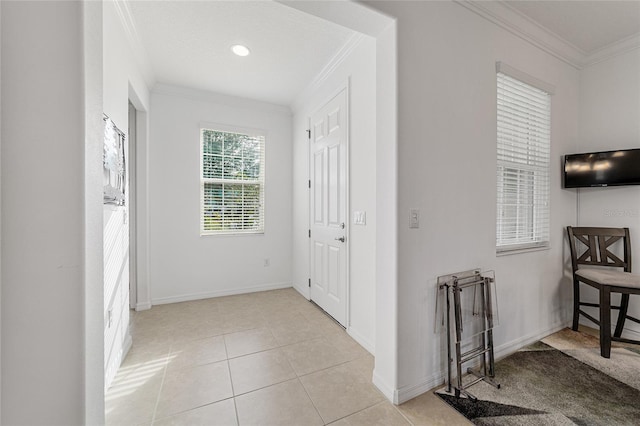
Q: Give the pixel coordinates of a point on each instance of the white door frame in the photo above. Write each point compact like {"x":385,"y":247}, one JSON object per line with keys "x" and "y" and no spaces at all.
{"x":133,"y":247}
{"x":139,"y":223}
{"x":347,"y":227}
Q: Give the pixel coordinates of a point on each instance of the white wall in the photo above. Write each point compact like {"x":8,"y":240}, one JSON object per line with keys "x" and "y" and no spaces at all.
{"x":93,"y":223}
{"x":358,"y":72}
{"x":609,"y":120}
{"x":121,"y":78}
{"x":0,"y":214}
{"x":183,"y":264}
{"x":447,"y":169}
{"x":51,"y":255}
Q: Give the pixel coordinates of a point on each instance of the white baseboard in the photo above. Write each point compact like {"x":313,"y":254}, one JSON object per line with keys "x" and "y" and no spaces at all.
{"x":304,"y":291}
{"x":507,"y":349}
{"x":426,"y":384}
{"x":143,"y":306}
{"x":387,"y":391}
{"x":363,"y":341}
{"x":407,"y":393}
{"x":630,"y":331}
{"x":219,"y":293}
{"x":126,"y":345}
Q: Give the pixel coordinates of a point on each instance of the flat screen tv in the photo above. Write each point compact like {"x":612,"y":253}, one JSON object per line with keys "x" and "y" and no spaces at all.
{"x":609,"y":168}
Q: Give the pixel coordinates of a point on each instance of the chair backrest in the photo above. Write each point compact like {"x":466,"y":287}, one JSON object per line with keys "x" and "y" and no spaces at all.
{"x":597,"y":242}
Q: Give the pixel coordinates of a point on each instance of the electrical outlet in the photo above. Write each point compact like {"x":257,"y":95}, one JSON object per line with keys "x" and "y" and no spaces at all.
{"x":267,"y":262}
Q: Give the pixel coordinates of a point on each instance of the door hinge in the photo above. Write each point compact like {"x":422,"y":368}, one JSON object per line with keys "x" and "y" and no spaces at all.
{"x":309,"y":233}
{"x":308,"y":133}
{"x":309,"y":282}
{"x":309,"y":183}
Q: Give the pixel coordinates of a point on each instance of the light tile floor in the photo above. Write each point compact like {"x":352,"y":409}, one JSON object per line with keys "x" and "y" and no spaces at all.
{"x":268,"y":358}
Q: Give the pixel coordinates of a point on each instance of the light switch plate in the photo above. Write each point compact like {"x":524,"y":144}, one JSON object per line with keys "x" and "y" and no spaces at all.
{"x":414,"y":218}
{"x":359,"y":218}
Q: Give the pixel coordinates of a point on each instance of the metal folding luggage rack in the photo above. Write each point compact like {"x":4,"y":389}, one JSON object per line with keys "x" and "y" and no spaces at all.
{"x":474,"y":316}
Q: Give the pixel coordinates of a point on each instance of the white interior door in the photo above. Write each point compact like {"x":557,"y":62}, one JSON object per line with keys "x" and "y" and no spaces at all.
{"x":328,"y":209}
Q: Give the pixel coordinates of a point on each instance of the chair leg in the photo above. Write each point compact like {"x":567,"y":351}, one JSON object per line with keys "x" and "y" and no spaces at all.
{"x":624,"y":305}
{"x":576,"y":304}
{"x":605,"y":322}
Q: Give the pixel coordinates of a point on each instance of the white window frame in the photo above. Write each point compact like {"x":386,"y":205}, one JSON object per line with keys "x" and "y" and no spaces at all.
{"x":527,"y":226}
{"x":254,"y":133}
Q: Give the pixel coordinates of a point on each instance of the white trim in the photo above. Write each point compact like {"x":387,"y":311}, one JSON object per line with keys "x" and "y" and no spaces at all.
{"x":219,"y":293}
{"x":304,"y":291}
{"x":617,"y":48}
{"x":135,"y":43}
{"x":407,"y":393}
{"x":347,"y":207}
{"x":527,"y":29}
{"x":132,"y":131}
{"x":362,"y":341}
{"x":507,"y":252}
{"x":513,"y":346}
{"x":503,"y":68}
{"x":143,"y":306}
{"x":218,"y":98}
{"x":345,"y":52}
{"x":126,"y":345}
{"x":254,"y":133}
{"x":388,"y":391}
{"x":437,"y":379}
{"x":629,"y":330}
{"x":511,"y":19}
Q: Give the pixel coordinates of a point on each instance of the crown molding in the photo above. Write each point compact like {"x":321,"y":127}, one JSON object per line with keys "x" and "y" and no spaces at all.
{"x":527,"y":29}
{"x":615,"y":49}
{"x":345,"y":51}
{"x":517,"y":23}
{"x":131,"y":33}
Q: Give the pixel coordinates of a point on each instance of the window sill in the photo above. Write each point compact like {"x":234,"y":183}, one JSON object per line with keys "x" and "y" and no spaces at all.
{"x":234,"y":234}
{"x":508,"y":252}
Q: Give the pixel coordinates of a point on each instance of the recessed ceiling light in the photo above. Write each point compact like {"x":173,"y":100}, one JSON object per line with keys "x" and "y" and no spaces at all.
{"x":240,"y":50}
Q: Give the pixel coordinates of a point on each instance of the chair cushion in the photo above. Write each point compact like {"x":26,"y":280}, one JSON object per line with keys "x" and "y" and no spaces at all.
{"x":610,"y":277}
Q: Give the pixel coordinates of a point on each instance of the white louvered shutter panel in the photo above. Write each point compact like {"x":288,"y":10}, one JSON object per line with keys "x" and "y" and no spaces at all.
{"x":523,"y":151}
{"x":231,"y":182}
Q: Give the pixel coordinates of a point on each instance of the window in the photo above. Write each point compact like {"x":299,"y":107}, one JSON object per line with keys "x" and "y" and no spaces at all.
{"x":523,"y":151}
{"x":231,"y":182}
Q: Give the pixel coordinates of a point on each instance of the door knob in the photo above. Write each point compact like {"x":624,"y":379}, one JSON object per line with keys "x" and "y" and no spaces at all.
{"x":341,"y":239}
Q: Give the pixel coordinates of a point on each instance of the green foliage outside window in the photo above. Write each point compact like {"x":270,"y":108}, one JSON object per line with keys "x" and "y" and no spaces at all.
{"x":232,"y":182}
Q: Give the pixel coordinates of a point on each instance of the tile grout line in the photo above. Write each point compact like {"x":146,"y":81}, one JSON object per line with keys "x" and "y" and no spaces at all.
{"x":402,"y":414}
{"x":233,"y":392}
{"x":164,"y":375}
{"x":311,"y":400}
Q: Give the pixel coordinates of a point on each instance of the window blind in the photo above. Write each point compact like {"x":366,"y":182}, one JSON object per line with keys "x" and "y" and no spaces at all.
{"x":231,"y":183}
{"x":523,"y":154}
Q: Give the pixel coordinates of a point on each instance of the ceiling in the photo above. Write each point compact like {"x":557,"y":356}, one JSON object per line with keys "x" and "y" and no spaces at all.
{"x":588,"y":25}
{"x":187,"y":43}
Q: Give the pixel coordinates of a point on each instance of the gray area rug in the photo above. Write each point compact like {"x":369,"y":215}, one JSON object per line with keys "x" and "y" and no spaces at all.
{"x":541,"y":385}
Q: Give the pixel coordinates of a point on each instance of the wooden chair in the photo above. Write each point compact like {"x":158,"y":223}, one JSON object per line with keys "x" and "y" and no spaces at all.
{"x":605,"y":276}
